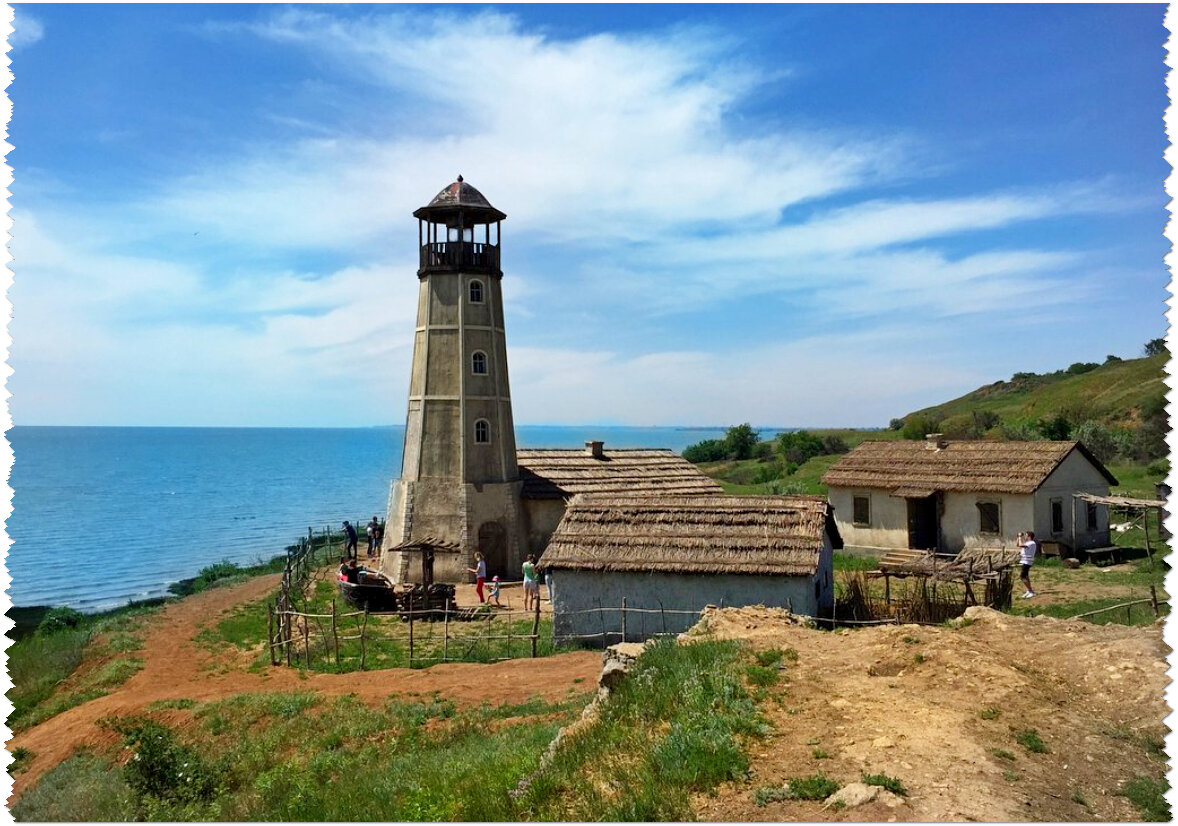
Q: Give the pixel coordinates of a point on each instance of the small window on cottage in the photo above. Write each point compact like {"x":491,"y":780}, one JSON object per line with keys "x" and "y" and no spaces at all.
{"x":861,"y":512}
{"x":482,"y":432}
{"x":476,"y":292}
{"x":1057,"y":516}
{"x":988,"y":518}
{"x":478,"y":363}
{"x":1093,"y":523}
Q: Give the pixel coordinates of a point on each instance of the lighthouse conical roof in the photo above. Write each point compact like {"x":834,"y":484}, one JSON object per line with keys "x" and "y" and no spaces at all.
{"x":460,"y":197}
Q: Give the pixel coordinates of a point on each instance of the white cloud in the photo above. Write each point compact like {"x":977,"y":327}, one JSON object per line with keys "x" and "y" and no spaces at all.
{"x":631,"y":189}
{"x":26,"y":30}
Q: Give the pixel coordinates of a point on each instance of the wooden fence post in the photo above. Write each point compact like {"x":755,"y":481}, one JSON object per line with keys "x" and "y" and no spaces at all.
{"x":270,"y":631}
{"x":307,"y":640}
{"x":446,"y":631}
{"x":410,"y":634}
{"x":535,"y":628}
{"x":363,"y":648}
{"x":623,"y":619}
{"x":1153,"y":600}
{"x":335,"y":632}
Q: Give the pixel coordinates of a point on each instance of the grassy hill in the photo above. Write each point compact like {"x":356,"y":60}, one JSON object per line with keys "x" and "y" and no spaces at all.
{"x":1116,"y":408}
{"x":1113,"y":394}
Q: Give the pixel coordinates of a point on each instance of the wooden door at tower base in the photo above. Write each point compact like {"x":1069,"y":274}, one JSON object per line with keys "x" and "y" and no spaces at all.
{"x":493,"y":547}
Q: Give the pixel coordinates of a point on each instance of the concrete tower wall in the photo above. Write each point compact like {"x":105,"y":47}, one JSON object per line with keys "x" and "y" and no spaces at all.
{"x":454,"y":485}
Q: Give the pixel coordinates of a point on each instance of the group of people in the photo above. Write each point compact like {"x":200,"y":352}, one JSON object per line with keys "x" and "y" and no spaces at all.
{"x":531,"y":582}
{"x":375,"y":532}
{"x":351,"y":571}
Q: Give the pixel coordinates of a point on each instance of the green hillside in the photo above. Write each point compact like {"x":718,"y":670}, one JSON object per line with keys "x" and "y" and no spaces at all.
{"x":1117,"y":409}
{"x":1115,"y":394}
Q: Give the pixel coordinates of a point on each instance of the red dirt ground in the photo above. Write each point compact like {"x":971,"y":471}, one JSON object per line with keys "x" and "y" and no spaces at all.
{"x":175,"y":667}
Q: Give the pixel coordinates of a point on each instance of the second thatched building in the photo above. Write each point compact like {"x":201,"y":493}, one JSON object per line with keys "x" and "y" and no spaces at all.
{"x":666,"y":557}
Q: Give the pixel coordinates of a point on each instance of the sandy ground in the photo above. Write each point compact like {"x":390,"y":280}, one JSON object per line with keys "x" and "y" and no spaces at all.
{"x":906,"y":701}
{"x":175,"y":667}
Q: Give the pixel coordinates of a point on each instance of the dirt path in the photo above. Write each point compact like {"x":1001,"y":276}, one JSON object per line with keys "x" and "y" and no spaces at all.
{"x":176,"y":667}
{"x":940,"y":710}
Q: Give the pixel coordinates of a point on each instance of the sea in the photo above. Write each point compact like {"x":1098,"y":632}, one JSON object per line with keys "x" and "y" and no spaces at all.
{"x":107,"y":515}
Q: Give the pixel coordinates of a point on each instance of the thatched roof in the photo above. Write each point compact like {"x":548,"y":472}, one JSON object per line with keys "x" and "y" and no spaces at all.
{"x":916,"y":469}
{"x":559,"y":474}
{"x":780,"y":535}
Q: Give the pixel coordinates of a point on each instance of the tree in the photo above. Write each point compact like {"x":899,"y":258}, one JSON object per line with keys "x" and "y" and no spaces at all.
{"x":1103,"y":443}
{"x":917,"y":427}
{"x":798,"y":446}
{"x":1056,"y":428}
{"x":741,"y":441}
{"x":896,"y":424}
{"x":709,"y":450}
{"x":1155,"y":346}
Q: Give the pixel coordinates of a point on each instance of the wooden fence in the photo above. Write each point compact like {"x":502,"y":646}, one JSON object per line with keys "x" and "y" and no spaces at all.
{"x":1154,"y":603}
{"x":301,"y":637}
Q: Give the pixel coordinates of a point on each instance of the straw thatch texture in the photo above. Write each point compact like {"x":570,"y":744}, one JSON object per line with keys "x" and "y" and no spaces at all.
{"x":558,"y":474}
{"x":692,"y":534}
{"x":428,"y":543}
{"x":911,"y":468}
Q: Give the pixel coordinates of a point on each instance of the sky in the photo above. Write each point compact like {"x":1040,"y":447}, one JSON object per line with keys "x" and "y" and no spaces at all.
{"x":787,"y":215}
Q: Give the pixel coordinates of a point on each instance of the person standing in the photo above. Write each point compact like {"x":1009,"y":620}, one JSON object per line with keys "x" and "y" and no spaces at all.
{"x":1028,"y":549}
{"x":480,"y":574}
{"x":370,"y":530}
{"x":350,"y":548}
{"x":531,"y":584}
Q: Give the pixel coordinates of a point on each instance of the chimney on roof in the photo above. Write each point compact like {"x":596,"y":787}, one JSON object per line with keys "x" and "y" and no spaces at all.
{"x":935,"y":441}
{"x":595,"y":449}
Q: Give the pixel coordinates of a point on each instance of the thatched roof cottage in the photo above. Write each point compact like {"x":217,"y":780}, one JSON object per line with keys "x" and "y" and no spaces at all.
{"x":551,"y":477}
{"x":951,"y":495}
{"x":679,"y":553}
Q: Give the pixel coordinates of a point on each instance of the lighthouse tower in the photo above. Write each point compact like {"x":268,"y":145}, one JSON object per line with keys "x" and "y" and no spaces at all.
{"x":459,"y":479}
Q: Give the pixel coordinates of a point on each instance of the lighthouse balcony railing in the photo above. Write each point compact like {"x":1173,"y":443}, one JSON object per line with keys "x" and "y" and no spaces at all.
{"x":467,"y":256}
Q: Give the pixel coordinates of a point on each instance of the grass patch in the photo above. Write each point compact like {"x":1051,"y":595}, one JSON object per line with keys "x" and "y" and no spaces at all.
{"x":1003,"y":754}
{"x":887,"y":782}
{"x":850,"y":562}
{"x":301,"y":757}
{"x":820,"y":754}
{"x":1030,"y":740}
{"x":179,"y":703}
{"x":990,"y":713}
{"x":1011,"y":776}
{"x":760,"y":675}
{"x":37,"y":665}
{"x":1149,"y":796}
{"x":769,"y":657}
{"x":765,"y":795}
{"x":814,"y":787}
{"x":79,"y":789}
{"x":678,"y":725}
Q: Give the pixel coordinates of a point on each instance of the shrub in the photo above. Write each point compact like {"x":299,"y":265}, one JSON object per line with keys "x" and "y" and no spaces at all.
{"x":990,"y":713}
{"x":890,"y":783}
{"x":82,"y":788}
{"x":896,"y":424}
{"x":1082,"y":367}
{"x":61,"y":619}
{"x":163,"y":768}
{"x":919,"y":426}
{"x":709,"y":450}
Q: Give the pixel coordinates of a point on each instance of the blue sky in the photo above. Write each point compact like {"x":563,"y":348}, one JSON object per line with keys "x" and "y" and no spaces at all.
{"x":790,"y":215}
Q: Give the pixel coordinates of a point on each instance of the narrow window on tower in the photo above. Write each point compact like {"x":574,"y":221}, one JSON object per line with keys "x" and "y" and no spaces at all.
{"x":478,"y":363}
{"x":482,"y":432}
{"x":476,"y":292}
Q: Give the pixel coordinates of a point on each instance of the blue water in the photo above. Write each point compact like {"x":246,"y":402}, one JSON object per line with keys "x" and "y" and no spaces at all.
{"x":103,"y":515}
